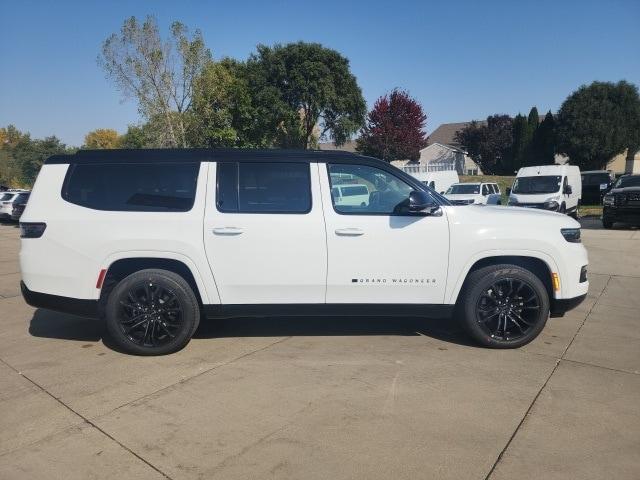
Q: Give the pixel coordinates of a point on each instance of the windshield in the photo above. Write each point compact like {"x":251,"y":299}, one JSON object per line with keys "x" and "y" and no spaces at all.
{"x":464,"y":188}
{"x":540,"y":184}
{"x":595,"y":179}
{"x":628,"y":181}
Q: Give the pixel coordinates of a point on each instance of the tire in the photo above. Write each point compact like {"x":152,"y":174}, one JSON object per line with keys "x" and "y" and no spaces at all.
{"x":503,"y":306}
{"x":159,"y":305}
{"x":607,"y":223}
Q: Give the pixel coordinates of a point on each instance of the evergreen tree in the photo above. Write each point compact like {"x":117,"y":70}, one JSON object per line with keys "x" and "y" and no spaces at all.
{"x":520,"y":143}
{"x":544,"y":141}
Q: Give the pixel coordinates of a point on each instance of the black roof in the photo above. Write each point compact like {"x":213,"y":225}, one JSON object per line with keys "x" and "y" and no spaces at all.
{"x":164,"y":155}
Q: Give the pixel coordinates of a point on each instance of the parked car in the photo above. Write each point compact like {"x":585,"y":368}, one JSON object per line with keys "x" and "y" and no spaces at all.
{"x":350,"y":194}
{"x":6,"y":202}
{"x":622,"y":202}
{"x":441,"y":181}
{"x":595,"y":184}
{"x":548,"y":187}
{"x":151,"y":240}
{"x":477,"y":193}
{"x":19,"y":205}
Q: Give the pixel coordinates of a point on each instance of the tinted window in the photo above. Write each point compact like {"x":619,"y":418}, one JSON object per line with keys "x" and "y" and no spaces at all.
{"x":264,"y":187}
{"x":373,"y":191}
{"x":595,"y":178}
{"x":628,"y":181}
{"x":6,"y":196}
{"x":132,"y":187}
{"x":486,"y":190}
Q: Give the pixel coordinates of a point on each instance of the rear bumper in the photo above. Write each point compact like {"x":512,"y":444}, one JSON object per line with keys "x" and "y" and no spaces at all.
{"x":562,"y":305}
{"x":74,"y":306}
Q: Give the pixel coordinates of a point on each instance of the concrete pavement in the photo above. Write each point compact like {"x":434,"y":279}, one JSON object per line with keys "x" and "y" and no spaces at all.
{"x":328,"y":397}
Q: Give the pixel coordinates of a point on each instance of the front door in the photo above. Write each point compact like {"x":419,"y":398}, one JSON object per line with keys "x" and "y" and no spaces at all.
{"x":378,"y":252}
{"x":264,"y":232}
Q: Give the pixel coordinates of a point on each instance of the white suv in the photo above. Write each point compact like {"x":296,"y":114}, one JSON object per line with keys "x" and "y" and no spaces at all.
{"x":151,"y":240}
{"x":6,"y":202}
{"x":474,"y":193}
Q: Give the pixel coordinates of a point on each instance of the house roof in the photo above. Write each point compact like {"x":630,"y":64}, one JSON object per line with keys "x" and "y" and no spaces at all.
{"x":443,"y":145}
{"x":445,"y":133}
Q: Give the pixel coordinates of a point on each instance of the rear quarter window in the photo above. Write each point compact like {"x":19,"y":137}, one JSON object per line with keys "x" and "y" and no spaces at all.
{"x":132,"y":187}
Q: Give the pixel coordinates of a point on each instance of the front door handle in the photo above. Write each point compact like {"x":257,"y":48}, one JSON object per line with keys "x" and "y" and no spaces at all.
{"x":349,"y":232}
{"x":227,"y":231}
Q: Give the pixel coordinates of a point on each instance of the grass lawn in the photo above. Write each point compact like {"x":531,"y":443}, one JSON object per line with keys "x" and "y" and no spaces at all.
{"x":588,"y":210}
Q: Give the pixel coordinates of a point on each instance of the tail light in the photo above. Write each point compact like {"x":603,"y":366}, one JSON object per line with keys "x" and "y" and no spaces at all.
{"x":32,"y":230}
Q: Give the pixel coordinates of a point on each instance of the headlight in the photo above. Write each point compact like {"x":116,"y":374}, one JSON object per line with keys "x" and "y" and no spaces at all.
{"x":571,"y":234}
{"x":609,"y":200}
{"x":551,"y":205}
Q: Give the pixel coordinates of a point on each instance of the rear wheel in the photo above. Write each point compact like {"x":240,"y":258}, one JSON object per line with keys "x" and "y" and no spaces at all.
{"x":152,"y":312}
{"x":503,"y":306}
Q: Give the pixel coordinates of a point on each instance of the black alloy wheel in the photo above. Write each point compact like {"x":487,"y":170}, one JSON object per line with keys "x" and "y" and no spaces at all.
{"x":152,"y":312}
{"x":503,"y":306}
{"x":508,"y":309}
{"x":150,"y":315}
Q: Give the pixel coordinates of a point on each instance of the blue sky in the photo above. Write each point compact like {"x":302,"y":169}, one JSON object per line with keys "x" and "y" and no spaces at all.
{"x":461,"y":59}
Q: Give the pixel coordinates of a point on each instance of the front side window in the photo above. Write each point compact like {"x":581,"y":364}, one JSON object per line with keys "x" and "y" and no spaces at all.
{"x":485,"y":190}
{"x":6,"y":196}
{"x":132,"y":187}
{"x":367,"y":190}
{"x":276,"y":187}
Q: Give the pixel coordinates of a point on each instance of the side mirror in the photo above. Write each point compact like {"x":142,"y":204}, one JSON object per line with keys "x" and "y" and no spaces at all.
{"x":568,"y":190}
{"x":421,"y":201}
{"x":508,"y":191}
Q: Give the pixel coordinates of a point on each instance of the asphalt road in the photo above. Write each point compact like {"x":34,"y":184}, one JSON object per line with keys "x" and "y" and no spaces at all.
{"x":328,"y":398}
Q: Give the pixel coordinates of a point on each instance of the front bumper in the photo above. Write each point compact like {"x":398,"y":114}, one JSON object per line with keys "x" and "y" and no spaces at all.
{"x":562,"y":305}
{"x":74,"y":306}
{"x":622,"y":214}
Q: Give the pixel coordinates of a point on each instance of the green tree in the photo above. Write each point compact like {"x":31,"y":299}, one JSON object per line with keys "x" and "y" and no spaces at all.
{"x":520,"y":142}
{"x":158,"y":73}
{"x":543,"y":144}
{"x":223,"y":113}
{"x":134,"y":137}
{"x":30,"y":154}
{"x":597,"y":122}
{"x":102,"y":138}
{"x":302,"y":92}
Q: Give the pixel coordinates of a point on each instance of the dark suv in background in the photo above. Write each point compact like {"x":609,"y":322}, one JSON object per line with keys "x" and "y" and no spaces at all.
{"x":19,"y":204}
{"x":622,"y":202}
{"x":595,"y":184}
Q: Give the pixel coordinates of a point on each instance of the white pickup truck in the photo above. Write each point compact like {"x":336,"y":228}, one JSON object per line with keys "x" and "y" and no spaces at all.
{"x":153,"y":240}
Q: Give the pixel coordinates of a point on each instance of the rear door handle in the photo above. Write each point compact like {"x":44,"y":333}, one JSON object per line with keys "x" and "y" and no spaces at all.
{"x":349,"y":232}
{"x":227,"y":231}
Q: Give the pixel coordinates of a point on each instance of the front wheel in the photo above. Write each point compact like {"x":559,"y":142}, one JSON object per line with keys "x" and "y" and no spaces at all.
{"x":503,"y":306}
{"x":152,"y":312}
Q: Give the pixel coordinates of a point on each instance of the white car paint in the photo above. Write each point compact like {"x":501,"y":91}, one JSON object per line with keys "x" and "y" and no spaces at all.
{"x":6,"y":202}
{"x":318,"y":257}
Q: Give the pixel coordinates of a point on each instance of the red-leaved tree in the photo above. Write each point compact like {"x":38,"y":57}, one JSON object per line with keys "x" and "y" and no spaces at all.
{"x":394,"y":128}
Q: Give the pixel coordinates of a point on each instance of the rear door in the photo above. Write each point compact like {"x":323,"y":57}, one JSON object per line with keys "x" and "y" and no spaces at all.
{"x":264,"y":232}
{"x":377,"y":251}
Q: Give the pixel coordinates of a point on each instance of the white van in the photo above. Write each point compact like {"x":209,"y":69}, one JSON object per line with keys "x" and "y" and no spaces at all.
{"x":548,"y":187}
{"x":351,"y":194}
{"x":441,"y":181}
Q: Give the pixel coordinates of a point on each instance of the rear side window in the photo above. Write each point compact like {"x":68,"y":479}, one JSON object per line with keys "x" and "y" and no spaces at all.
{"x":277,"y":187}
{"x":132,"y":187}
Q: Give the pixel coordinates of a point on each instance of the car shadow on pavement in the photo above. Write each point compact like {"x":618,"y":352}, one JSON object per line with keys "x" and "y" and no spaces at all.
{"x":48,"y":324}
{"x":595,"y":223}
{"x":441,"y":329}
